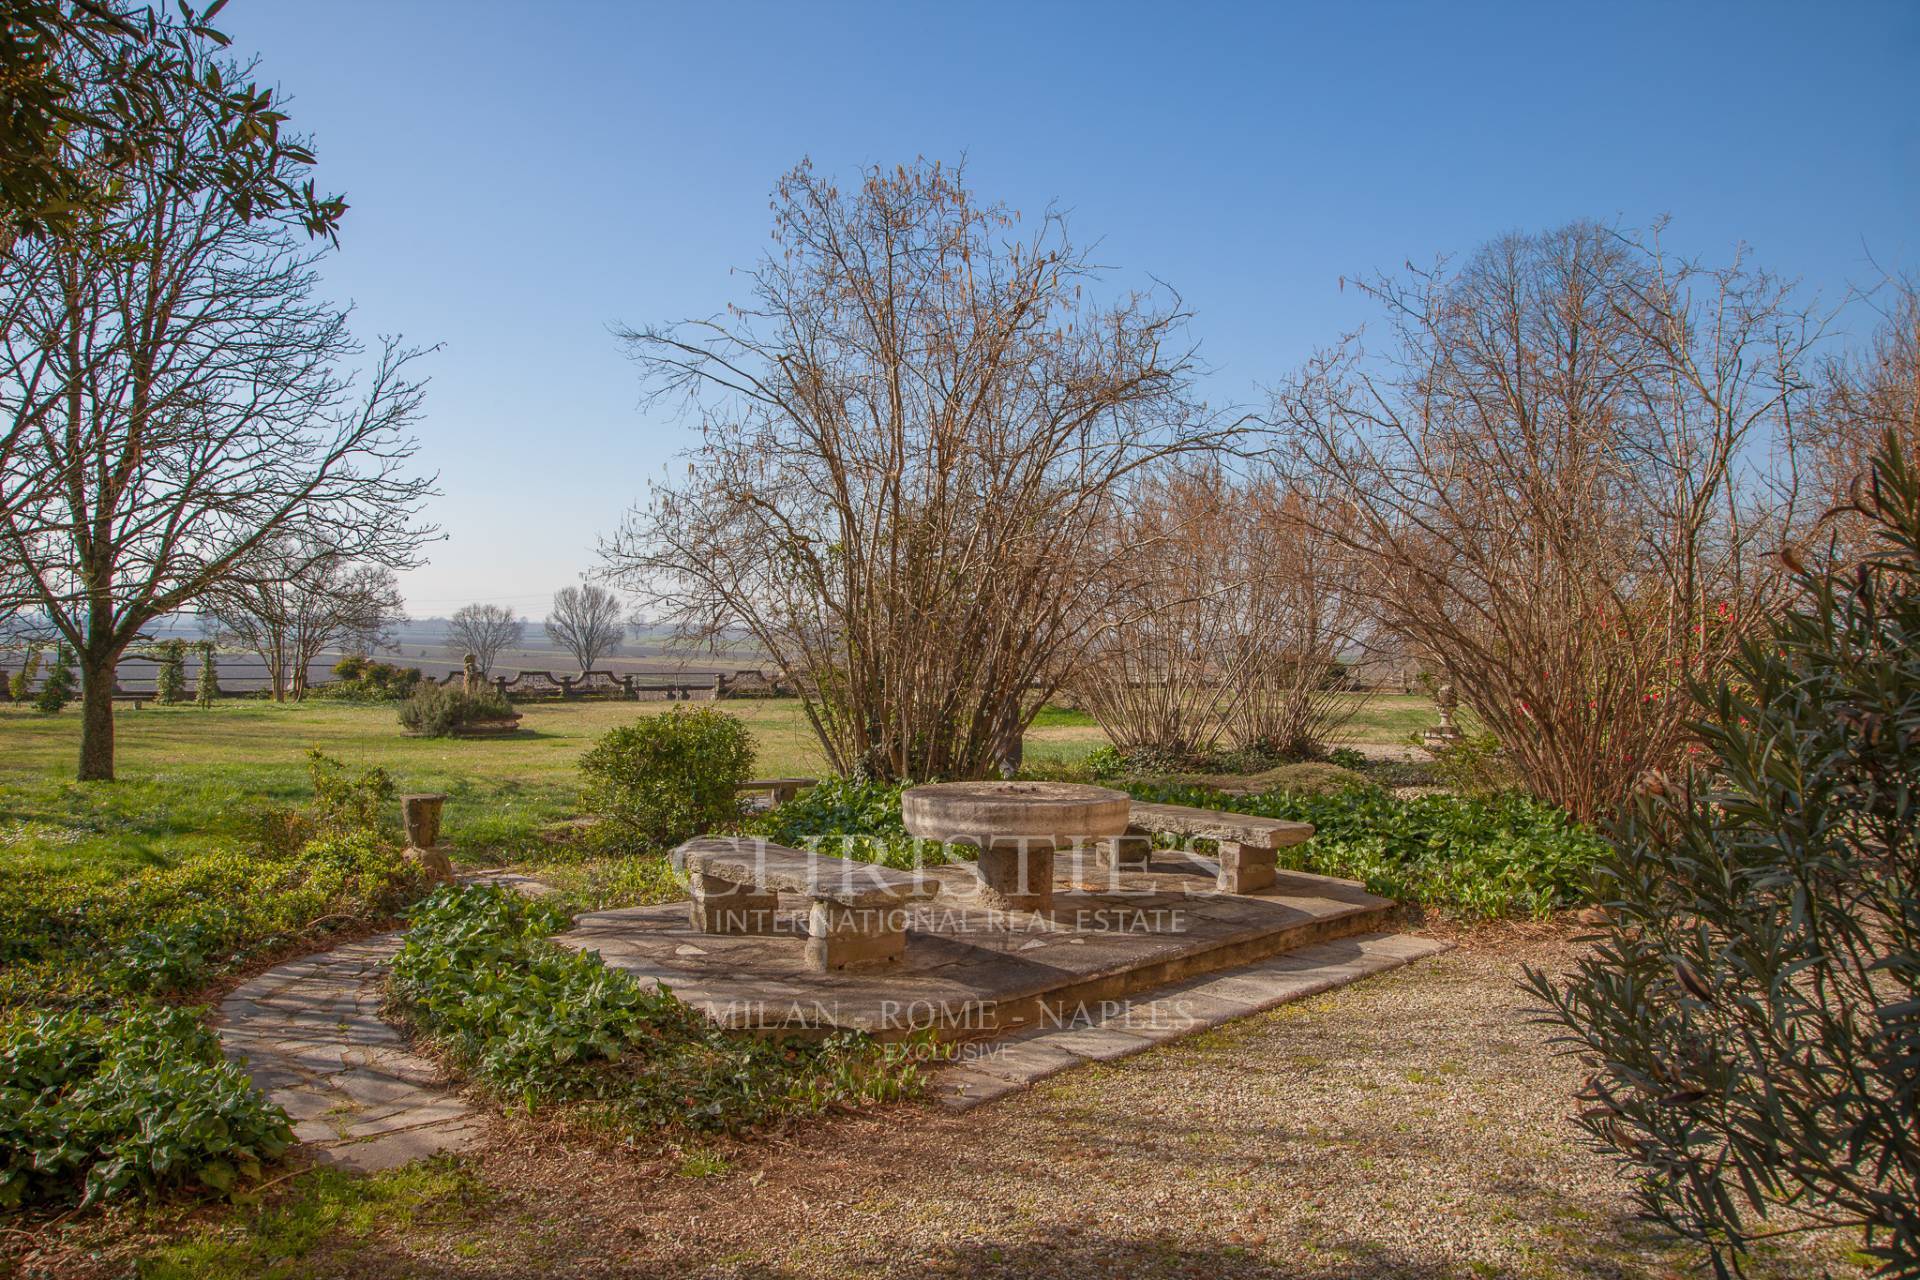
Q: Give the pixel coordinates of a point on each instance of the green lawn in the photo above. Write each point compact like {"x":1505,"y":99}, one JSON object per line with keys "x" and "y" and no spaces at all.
{"x":188,"y":776}
{"x":1059,"y":736}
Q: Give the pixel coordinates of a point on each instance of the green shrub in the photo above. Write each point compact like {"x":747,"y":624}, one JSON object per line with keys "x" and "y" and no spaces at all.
{"x":859,"y":820}
{"x":137,"y":1101}
{"x":1473,"y":765}
{"x":364,"y":680}
{"x":442,"y":711}
{"x":539,"y":1024}
{"x":21,"y":683}
{"x":1752,"y":1012}
{"x":1476,"y":858}
{"x":1106,"y":762}
{"x":170,"y":675}
{"x":57,"y":691}
{"x":346,"y":803}
{"x":667,"y":778}
{"x":206,"y":690}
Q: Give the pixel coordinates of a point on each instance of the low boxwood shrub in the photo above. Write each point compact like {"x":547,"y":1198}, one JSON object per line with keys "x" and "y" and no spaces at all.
{"x":94,"y":1106}
{"x":441,"y":711}
{"x":1475,"y":857}
{"x":666,"y":778}
{"x":539,"y":1024}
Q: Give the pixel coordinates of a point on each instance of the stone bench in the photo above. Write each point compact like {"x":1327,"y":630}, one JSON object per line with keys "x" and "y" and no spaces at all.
{"x":859,"y":915}
{"x":1248,"y":844}
{"x":781,"y":789}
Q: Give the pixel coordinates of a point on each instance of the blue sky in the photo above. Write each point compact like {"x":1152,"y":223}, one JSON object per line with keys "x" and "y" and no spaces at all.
{"x":524,"y":176}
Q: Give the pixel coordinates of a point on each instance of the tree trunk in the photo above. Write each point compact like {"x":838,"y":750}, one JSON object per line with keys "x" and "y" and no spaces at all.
{"x":96,"y":718}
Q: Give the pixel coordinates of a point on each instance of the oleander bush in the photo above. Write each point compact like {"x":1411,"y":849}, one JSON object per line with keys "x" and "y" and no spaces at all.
{"x":1751,"y":1014}
{"x":1478,"y":858}
{"x":539,"y":1024}
{"x":443,"y":711}
{"x":138,"y":1099}
{"x":666,"y":778}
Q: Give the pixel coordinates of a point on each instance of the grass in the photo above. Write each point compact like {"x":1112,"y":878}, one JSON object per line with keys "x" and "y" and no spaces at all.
{"x":1060,"y":736}
{"x":188,"y":776}
{"x":326,"y":1214}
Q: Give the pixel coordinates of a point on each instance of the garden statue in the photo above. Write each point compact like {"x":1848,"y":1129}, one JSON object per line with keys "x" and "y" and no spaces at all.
{"x":1446,"y":733}
{"x":471,"y":681}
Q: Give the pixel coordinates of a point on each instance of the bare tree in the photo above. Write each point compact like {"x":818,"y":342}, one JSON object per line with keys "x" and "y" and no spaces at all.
{"x":176,"y":397}
{"x":586,"y":623}
{"x":1228,"y":621}
{"x":1297,"y":630}
{"x":911,"y":431}
{"x":1864,"y":396}
{"x":483,"y":630}
{"x":292,"y":601}
{"x":1560,"y":481}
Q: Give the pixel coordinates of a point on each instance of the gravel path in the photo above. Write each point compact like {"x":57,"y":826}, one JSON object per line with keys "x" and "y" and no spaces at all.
{"x":1409,"y":1125}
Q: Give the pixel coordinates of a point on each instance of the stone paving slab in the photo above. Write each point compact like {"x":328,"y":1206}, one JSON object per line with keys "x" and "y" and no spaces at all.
{"x":970,"y":970}
{"x":1118,"y":1028}
{"x":309,"y":1033}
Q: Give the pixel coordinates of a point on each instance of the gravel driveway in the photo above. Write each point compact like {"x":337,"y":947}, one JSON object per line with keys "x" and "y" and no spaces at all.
{"x":1411,"y":1125}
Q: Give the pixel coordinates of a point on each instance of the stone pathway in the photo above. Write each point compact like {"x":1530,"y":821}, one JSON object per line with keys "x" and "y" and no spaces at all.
{"x":1118,"y":1028}
{"x":311,"y":1036}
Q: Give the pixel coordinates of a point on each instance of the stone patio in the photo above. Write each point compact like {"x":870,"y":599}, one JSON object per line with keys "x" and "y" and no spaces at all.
{"x":971,"y":972}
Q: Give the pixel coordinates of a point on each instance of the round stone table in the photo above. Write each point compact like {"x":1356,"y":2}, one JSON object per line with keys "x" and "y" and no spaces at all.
{"x":1016,"y":826}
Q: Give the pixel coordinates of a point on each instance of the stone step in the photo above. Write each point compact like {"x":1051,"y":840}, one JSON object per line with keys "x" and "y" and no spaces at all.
{"x":1060,"y":1002}
{"x":1099,"y":1031}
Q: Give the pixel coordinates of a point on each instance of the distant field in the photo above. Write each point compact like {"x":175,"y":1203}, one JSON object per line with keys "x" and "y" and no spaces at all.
{"x":189,"y":775}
